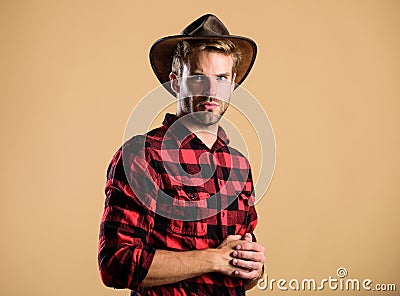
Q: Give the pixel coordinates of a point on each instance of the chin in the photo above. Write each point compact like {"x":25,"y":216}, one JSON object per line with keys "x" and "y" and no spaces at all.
{"x":206,"y":118}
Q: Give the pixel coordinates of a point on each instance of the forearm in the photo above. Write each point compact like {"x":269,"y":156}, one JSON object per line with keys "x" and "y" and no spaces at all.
{"x":173,"y":266}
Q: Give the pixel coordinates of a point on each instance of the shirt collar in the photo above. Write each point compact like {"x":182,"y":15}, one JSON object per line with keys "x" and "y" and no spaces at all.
{"x":181,"y":133}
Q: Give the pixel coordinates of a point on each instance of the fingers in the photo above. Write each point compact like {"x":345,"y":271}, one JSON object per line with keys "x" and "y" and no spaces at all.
{"x":247,"y":275}
{"x":233,"y":237}
{"x":247,"y":265}
{"x":240,"y":257}
{"x":248,"y":237}
{"x":249,"y":258}
{"x":250,"y":246}
{"x":249,"y":255}
{"x":231,"y":240}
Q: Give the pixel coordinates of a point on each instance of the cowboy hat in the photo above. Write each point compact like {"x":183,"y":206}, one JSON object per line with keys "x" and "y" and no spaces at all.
{"x":204,"y":28}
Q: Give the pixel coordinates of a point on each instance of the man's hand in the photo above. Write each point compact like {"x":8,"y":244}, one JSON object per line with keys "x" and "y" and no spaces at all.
{"x":223,"y":260}
{"x":240,"y":257}
{"x":249,"y":256}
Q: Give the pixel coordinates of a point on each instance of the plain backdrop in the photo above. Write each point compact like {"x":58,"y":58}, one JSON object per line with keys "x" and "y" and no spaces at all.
{"x":327,"y":74}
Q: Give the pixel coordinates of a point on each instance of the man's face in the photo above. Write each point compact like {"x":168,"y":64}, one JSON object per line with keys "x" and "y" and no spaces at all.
{"x":206,"y":86}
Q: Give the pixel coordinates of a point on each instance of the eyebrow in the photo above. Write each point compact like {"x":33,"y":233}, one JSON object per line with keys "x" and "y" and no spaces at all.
{"x":197,"y":72}
{"x":224,"y":74}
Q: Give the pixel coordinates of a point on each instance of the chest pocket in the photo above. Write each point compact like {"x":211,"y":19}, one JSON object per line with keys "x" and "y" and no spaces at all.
{"x":190,"y":194}
{"x":190,"y":227}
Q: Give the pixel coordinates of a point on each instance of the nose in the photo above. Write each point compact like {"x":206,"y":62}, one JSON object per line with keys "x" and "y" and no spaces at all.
{"x":211,"y":88}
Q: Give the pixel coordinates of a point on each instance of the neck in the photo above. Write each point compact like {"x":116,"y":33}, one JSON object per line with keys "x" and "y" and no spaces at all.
{"x":206,"y":133}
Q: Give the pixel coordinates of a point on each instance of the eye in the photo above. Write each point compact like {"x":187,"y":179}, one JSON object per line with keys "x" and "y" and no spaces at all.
{"x":198,"y":78}
{"x":222,"y":78}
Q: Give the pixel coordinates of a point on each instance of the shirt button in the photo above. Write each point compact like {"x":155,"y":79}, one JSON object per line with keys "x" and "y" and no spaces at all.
{"x":192,"y":196}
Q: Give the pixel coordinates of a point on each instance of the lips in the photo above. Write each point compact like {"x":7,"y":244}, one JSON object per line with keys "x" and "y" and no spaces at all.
{"x":208,"y":106}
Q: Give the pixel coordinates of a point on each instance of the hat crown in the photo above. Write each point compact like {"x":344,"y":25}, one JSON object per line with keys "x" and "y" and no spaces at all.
{"x":206,"y":25}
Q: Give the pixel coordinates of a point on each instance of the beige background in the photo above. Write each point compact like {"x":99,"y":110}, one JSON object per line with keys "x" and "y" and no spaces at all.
{"x":327,"y":73}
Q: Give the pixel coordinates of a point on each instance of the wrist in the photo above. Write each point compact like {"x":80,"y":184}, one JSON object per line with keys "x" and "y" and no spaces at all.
{"x":208,"y":258}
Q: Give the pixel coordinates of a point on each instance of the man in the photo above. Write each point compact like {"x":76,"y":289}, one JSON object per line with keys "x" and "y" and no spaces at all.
{"x":179,"y":214}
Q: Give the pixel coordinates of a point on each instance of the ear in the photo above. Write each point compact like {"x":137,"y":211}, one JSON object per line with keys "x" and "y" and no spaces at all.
{"x":233,"y":82}
{"x":174,"y":82}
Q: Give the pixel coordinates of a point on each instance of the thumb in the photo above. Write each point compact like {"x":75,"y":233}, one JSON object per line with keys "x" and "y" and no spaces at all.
{"x":248,"y":237}
{"x":233,"y":237}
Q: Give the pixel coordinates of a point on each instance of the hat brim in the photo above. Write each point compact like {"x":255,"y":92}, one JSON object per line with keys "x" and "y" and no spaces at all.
{"x":162,"y":51}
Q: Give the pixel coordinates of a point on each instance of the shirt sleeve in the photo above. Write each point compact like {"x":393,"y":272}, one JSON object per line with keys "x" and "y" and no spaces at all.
{"x":124,"y":255}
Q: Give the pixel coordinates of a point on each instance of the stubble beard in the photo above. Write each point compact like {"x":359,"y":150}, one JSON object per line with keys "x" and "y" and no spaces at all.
{"x":205,"y":118}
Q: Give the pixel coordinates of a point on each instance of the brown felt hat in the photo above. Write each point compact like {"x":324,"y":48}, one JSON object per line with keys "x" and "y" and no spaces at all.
{"x":204,"y":28}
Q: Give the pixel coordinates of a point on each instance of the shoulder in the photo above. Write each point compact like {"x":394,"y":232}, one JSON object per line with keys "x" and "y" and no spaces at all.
{"x":136,"y":154}
{"x":148,"y":141}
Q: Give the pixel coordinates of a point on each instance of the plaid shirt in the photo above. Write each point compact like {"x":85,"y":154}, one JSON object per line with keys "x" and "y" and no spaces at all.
{"x":211,"y":198}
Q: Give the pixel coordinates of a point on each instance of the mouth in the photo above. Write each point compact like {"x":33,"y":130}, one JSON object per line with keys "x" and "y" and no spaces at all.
{"x":209,"y":106}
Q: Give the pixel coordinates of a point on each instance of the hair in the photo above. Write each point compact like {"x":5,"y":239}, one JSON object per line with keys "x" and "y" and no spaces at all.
{"x":185,"y":48}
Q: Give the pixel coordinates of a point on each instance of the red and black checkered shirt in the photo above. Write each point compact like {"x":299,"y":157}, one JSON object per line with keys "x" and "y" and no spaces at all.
{"x":167,"y":190}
